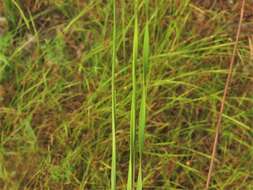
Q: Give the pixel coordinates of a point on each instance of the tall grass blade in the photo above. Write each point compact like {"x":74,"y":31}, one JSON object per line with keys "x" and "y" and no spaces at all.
{"x":142,"y":119}
{"x":113,"y":171}
{"x":131,"y":169}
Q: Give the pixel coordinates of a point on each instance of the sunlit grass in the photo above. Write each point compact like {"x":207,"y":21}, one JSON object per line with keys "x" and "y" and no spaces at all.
{"x":132,"y":140}
{"x":62,"y":124}
{"x":143,"y":107}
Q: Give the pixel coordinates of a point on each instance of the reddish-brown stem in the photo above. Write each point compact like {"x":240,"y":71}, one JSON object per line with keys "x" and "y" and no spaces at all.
{"x":225,"y":92}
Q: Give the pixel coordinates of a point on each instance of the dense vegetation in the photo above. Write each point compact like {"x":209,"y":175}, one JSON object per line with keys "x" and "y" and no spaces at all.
{"x":101,"y":94}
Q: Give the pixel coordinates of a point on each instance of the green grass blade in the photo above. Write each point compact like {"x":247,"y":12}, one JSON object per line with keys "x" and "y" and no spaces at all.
{"x":142,"y":124}
{"x":131,"y":169}
{"x":146,"y":55}
{"x":3,"y":64}
{"x":22,"y":14}
{"x":142,"y":119}
{"x":139,"y":182}
{"x":79,"y":16}
{"x":113,"y":170}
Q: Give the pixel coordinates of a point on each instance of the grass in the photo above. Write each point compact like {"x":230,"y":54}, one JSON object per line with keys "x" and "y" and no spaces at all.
{"x":113,"y":172}
{"x":132,"y":141}
{"x":228,"y":81}
{"x":63,"y":126}
{"x":143,"y":107}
